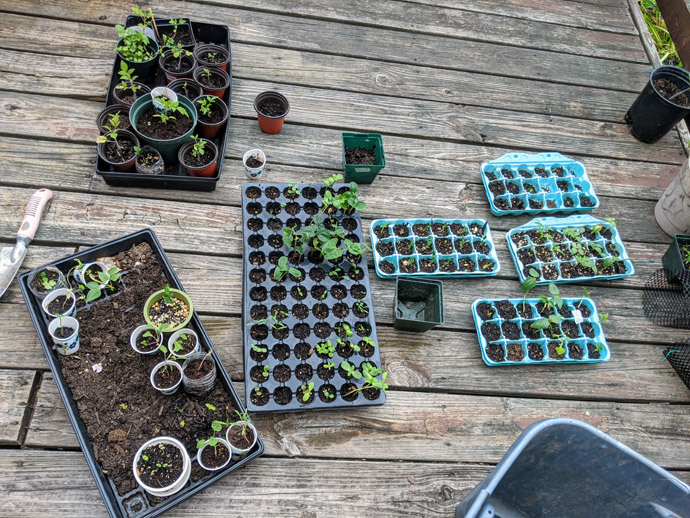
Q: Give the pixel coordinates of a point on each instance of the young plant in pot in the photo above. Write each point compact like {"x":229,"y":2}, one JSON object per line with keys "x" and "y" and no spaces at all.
{"x":149,"y":161}
{"x":166,"y":377}
{"x":214,"y":453}
{"x":169,"y":306}
{"x":99,"y":280}
{"x":166,"y":130}
{"x":199,"y":373}
{"x":128,"y":90}
{"x":147,"y":338}
{"x":241,"y":435}
{"x":65,"y":334}
{"x":271,"y":109}
{"x":162,"y":466}
{"x":175,"y":61}
{"x":213,"y":113}
{"x":177,"y":30}
{"x":214,"y":81}
{"x":45,"y":280}
{"x":137,"y":49}
{"x":115,"y":116}
{"x":117,"y":149}
{"x":187,"y":87}
{"x":199,"y":157}
{"x":60,"y":301}
{"x":210,"y":55}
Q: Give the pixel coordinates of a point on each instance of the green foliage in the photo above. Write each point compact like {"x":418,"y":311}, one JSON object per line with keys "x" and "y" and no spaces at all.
{"x":48,"y":284}
{"x":101,"y":279}
{"x":169,"y":108}
{"x":167,"y":294}
{"x":326,"y":348}
{"x":307,"y":391}
{"x":206,"y":104}
{"x":529,"y":284}
{"x":259,"y":349}
{"x":351,"y":370}
{"x":134,"y":45}
{"x":545,"y":323}
{"x":656,"y":25}
{"x":283,"y":267}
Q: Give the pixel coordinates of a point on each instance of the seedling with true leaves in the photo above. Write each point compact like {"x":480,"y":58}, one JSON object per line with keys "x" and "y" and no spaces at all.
{"x":171,"y":107}
{"x":206,"y":104}
{"x":307,"y":391}
{"x":361,"y":306}
{"x":48,"y":284}
{"x":326,"y":348}
{"x":529,"y":284}
{"x":283,"y":268}
{"x":154,"y":331}
{"x":370,"y":375}
{"x":101,"y":280}
{"x":128,"y":78}
{"x":176,"y":49}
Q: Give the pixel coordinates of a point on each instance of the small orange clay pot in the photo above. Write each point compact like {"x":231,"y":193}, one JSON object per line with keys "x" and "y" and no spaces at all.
{"x":201,"y":76}
{"x":208,"y":170}
{"x":271,"y":124}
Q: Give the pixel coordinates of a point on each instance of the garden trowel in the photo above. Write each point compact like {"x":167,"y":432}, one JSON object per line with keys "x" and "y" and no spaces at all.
{"x":11,"y":257}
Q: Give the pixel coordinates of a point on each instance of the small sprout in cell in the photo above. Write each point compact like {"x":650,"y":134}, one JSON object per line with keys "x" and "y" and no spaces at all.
{"x":604,"y":318}
{"x":351,"y":370}
{"x":307,"y":391}
{"x":258,"y":349}
{"x":210,"y":407}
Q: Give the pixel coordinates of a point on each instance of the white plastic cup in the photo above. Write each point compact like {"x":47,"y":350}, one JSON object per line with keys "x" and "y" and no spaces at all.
{"x":136,"y":334}
{"x":226,"y":444}
{"x":170,"y":390}
{"x":176,"y":335}
{"x":69,"y":345}
{"x":80,"y":274}
{"x":61,"y":283}
{"x":70,"y":311}
{"x":254,"y":172}
{"x":162,"y":91}
{"x":200,"y":386}
{"x":239,"y":453}
{"x":175,"y":486}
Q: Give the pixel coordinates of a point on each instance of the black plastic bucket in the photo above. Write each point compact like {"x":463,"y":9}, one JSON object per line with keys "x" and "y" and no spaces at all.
{"x":651,"y":116}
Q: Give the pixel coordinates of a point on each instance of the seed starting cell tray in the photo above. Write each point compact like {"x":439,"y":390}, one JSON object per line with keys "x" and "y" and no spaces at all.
{"x":518,"y":183}
{"x":567,"y":249}
{"x":288,"y":324}
{"x":507,"y":338}
{"x":136,"y":503}
{"x":433,"y":248}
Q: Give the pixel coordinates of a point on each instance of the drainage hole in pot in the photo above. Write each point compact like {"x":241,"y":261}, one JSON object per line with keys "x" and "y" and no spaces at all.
{"x":257,"y":258}
{"x":282,"y":395}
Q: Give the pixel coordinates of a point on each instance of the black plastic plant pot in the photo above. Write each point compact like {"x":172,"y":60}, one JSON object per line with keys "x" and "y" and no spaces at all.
{"x":677,"y":257}
{"x":418,"y":304}
{"x":134,"y":503}
{"x":652,"y":115}
{"x":604,"y":477}
{"x":104,"y":117}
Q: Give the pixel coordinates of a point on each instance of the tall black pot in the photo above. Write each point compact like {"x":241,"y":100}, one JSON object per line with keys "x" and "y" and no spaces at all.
{"x":651,"y":116}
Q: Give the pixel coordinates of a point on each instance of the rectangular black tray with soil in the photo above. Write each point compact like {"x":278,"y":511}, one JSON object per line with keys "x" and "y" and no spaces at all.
{"x":175,"y":176}
{"x":288,"y":325}
{"x":105,"y":385}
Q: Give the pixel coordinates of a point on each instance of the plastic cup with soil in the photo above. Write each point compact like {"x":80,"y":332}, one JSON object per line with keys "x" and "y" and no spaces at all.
{"x":215,"y":454}
{"x":363,"y":156}
{"x":187,"y":87}
{"x":212,"y":112}
{"x":210,"y":55}
{"x":89,"y":272}
{"x":271,"y":109}
{"x":199,"y":157}
{"x":213,"y":81}
{"x":127,"y":94}
{"x":149,"y":161}
{"x":199,"y":373}
{"x":60,"y":301}
{"x":166,"y":377}
{"x":176,"y":67}
{"x":183,"y":343}
{"x":161,"y":130}
{"x":254,"y":162}
{"x":145,"y":339}
{"x":115,"y":116}
{"x":169,"y":306}
{"x":118,"y":149}
{"x":162,"y":466}
{"x":45,"y":280}
{"x":663,"y":102}
{"x":65,"y":334}
{"x":242,"y":438}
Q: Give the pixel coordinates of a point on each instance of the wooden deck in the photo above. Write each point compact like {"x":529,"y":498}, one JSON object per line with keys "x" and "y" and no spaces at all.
{"x":449,"y":85}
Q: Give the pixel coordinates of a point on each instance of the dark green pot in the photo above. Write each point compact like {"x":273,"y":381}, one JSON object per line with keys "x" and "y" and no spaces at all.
{"x":418,"y":304}
{"x":145,"y":70}
{"x":673,"y":258}
{"x":363,"y":173}
{"x":167,"y":148}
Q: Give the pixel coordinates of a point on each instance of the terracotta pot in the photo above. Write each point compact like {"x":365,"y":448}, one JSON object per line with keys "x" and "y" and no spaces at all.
{"x":206,"y":171}
{"x":167,"y":58}
{"x":199,"y":74}
{"x":205,"y":129}
{"x":271,"y":124}
{"x":202,"y":50}
{"x":187,"y":87}
{"x":122,"y":167}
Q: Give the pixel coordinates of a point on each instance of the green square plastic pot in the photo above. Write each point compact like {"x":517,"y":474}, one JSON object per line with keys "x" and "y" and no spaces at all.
{"x":427,"y":312}
{"x":363,"y":173}
{"x":673,"y":258}
{"x":167,"y":148}
{"x":178,"y":294}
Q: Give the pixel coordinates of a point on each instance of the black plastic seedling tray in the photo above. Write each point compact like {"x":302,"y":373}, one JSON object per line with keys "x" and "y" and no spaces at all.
{"x":135,"y":504}
{"x":260,"y":258}
{"x":175,"y":176}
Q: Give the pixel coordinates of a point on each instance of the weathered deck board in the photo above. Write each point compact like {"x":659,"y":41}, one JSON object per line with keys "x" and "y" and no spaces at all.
{"x":268,"y":29}
{"x":416,"y":426}
{"x":50,"y":74}
{"x":440,"y":360}
{"x":15,"y":387}
{"x":266,"y":487}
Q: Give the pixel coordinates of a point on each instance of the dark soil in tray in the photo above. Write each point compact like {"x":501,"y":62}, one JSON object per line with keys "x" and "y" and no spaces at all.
{"x":382,"y":231}
{"x":535,"y":352}
{"x":163,"y":467}
{"x":495,"y":352}
{"x":359,"y":156}
{"x":497,"y":188}
{"x":119,"y":407}
{"x":540,"y":171}
{"x":51,"y":278}
{"x":592,"y":351}
{"x":154,"y":127}
{"x":421,"y":230}
{"x":570,"y":329}
{"x":405,"y":246}
{"x":553,"y":354}
{"x":486,"y":311}
{"x":510,"y":330}
{"x":575,"y":351}
{"x":259,"y":396}
{"x":505,"y":309}
{"x":526,"y":256}
{"x":409,"y":265}
{"x":512,"y":187}
{"x":530,"y":332}
{"x":448,"y":265}
{"x":515,"y":353}
{"x":490,"y":331}
{"x":507,"y":173}
{"x":535,"y":204}
{"x":668,"y":89}
{"x":385,"y":249}
{"x":466,"y":265}
{"x":524,"y":310}
{"x":64,"y":332}
{"x":119,"y":152}
{"x":387,"y":267}
{"x":486,"y":265}
{"x":482,"y":247}
{"x":463,"y":246}
{"x":427,"y":265}
{"x":401,"y":230}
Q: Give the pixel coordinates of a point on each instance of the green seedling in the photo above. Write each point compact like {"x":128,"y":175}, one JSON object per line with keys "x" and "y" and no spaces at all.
{"x":604,"y":318}
{"x":266,"y":371}
{"x":351,"y":370}
{"x":529,"y":284}
{"x":258,"y":390}
{"x":609,"y":261}
{"x":585,"y":294}
{"x":370,"y":375}
{"x":545,"y":323}
{"x":258,"y":349}
{"x":128,"y":78}
{"x":362,"y":307}
{"x":48,"y":284}
{"x":329,"y":366}
{"x":367,"y":340}
{"x":167,"y":294}
{"x":326,"y":348}
{"x":293,"y":189}
{"x":169,"y":108}
{"x":211,"y":407}
{"x":102,"y":279}
{"x":134,"y":46}
{"x":328,"y":394}
{"x":307,"y":391}
{"x":283,"y":268}
{"x":154,"y":331}
{"x":206,"y":104}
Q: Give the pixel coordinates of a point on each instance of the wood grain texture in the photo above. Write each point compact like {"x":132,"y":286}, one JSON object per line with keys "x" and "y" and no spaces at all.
{"x":288,"y":32}
{"x":15,"y":387}
{"x":414,"y":426}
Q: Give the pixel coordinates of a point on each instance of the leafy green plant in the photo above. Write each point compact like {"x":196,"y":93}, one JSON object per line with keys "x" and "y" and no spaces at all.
{"x":529,"y":284}
{"x":307,"y":391}
{"x":362,"y":307}
{"x":545,"y":323}
{"x":604,"y":318}
{"x":351,"y":370}
{"x":283,"y":268}
{"x":176,"y":49}
{"x":48,"y":284}
{"x":154,"y":331}
{"x":134,"y":45}
{"x":169,"y":108}
{"x":266,"y":371}
{"x":206,"y":104}
{"x":128,"y":78}
{"x":326,"y":348}
{"x":101,"y":280}
{"x":370,"y":375}
{"x":327,"y":393}
{"x":258,"y":349}
{"x":585,"y":294}
{"x":367,"y":340}
{"x":167,"y":294}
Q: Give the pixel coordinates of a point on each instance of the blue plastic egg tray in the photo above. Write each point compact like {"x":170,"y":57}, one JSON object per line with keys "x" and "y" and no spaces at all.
{"x":433,"y":248}
{"x":518,"y":183}
{"x":507,"y":338}
{"x":558,"y":248}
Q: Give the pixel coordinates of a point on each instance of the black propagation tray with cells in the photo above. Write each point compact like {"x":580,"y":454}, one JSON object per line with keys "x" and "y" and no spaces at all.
{"x":314,"y":308}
